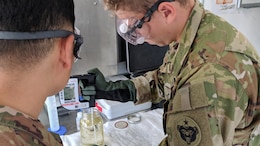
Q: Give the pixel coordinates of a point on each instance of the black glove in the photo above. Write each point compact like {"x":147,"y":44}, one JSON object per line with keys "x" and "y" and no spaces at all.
{"x":87,"y":91}
{"x":123,"y":90}
{"x":87,"y":88}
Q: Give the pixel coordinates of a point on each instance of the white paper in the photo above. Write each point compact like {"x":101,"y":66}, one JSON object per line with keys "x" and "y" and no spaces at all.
{"x":221,"y":6}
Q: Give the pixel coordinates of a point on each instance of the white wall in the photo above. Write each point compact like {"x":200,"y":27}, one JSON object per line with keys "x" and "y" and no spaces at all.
{"x":245,"y":20}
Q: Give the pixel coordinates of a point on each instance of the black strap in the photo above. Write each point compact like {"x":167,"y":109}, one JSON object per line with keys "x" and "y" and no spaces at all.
{"x":165,"y":108}
{"x":11,"y":35}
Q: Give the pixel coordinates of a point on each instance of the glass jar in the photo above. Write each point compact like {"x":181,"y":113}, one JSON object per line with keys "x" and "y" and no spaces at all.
{"x":91,"y":128}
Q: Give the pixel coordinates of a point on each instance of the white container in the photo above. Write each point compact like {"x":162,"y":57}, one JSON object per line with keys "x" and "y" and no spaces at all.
{"x":115,"y":109}
{"x":52,"y":113}
{"x":79,"y":115}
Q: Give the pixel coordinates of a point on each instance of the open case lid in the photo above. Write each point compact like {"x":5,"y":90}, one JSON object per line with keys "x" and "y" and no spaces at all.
{"x":144,"y":57}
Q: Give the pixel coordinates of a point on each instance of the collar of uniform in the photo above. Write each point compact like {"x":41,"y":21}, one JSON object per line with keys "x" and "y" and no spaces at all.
{"x":11,"y":111}
{"x":187,"y":37}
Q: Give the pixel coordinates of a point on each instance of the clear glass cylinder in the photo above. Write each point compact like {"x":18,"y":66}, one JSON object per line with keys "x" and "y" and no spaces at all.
{"x":91,"y":128}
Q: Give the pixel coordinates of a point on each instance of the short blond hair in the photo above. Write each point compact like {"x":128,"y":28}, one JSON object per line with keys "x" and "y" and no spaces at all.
{"x":133,"y":5}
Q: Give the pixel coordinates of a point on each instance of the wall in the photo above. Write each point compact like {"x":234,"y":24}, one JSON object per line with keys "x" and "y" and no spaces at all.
{"x":100,"y":48}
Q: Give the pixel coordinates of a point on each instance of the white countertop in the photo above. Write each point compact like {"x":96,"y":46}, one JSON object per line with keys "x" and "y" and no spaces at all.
{"x":148,"y":132}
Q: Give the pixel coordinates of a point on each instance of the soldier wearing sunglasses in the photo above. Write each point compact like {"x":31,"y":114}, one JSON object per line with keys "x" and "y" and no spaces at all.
{"x":38,"y":46}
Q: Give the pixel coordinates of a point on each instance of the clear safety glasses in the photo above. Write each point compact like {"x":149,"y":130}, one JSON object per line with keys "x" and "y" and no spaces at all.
{"x":78,"y":40}
{"x":128,"y":28}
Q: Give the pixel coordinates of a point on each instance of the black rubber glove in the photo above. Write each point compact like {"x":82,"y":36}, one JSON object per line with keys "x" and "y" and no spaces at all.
{"x":123,"y":90}
{"x":87,"y":90}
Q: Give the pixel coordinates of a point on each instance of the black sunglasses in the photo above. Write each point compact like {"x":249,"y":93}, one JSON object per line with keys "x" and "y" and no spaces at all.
{"x":9,"y":35}
{"x":147,"y":16}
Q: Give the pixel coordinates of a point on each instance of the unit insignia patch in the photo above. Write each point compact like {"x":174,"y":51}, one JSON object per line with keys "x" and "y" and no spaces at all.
{"x":189,"y":131}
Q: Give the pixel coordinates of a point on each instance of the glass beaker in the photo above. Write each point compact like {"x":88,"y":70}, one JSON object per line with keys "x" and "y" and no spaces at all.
{"x":91,"y":128}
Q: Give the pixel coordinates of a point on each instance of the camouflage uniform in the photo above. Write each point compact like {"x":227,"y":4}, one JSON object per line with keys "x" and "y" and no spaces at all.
{"x":17,"y":129}
{"x":210,"y":80}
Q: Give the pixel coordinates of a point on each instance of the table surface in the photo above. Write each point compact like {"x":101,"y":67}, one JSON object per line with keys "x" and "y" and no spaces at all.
{"x":148,"y":132}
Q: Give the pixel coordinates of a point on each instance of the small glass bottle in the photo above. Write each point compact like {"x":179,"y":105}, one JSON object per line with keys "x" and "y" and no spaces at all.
{"x":91,"y":128}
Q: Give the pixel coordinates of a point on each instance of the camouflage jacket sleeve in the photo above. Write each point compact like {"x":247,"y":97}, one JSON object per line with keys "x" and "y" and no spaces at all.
{"x":151,"y":86}
{"x":17,"y":129}
{"x":147,"y":87}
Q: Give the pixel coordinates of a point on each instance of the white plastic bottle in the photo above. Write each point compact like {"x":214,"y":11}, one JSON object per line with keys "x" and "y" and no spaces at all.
{"x":52,"y":113}
{"x":79,"y":116}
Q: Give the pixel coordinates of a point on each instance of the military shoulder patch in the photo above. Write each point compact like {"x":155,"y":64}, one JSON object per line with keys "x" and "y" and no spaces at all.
{"x":188,"y":131}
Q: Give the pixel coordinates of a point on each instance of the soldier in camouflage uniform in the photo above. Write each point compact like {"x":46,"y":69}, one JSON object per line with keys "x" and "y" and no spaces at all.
{"x":209,"y":77}
{"x":36,"y":56}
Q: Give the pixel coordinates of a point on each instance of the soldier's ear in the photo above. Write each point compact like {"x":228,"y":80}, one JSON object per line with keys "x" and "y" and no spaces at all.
{"x":168,"y":11}
{"x":66,"y":51}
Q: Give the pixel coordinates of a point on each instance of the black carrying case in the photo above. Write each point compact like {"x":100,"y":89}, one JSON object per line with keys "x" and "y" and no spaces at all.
{"x":143,"y":58}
